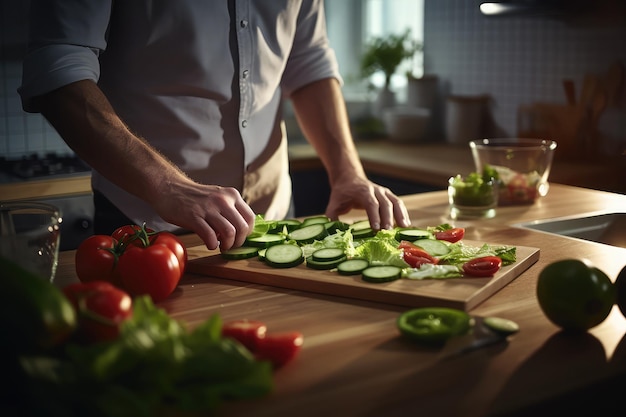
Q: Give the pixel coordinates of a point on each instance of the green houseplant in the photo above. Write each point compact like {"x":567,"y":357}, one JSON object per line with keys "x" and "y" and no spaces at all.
{"x":386,"y":53}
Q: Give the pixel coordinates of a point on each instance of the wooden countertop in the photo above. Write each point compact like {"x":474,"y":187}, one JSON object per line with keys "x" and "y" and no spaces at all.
{"x":353,"y":362}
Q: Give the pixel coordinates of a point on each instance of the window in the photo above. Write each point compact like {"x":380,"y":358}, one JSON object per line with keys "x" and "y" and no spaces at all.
{"x":352,"y":22}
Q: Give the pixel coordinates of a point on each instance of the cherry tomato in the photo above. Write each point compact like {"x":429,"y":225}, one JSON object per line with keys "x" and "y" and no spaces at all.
{"x":154,"y":270}
{"x":246,"y":332}
{"x":575,"y":295}
{"x":433,"y":325}
{"x":451,"y":235}
{"x":414,"y":255}
{"x":279,"y":348}
{"x":486,"y":266}
{"x":96,"y":259}
{"x":100,"y":308}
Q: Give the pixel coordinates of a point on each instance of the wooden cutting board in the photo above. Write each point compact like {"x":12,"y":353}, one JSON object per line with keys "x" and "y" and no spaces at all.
{"x":461,"y":293}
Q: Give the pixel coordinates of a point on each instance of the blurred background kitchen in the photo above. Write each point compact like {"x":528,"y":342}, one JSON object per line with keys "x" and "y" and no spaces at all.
{"x":545,"y":68}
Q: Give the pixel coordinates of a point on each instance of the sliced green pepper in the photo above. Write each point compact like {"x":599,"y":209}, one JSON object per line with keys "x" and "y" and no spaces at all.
{"x":433,"y":325}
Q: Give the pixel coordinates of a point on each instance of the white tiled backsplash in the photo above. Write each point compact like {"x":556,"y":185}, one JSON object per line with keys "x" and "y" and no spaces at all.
{"x":521,"y":60}
{"x":23,"y":133}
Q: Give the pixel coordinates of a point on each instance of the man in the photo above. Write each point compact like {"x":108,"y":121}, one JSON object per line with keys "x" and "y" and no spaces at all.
{"x":176,"y":105}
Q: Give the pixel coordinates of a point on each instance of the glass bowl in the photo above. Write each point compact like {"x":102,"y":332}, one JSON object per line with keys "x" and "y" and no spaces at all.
{"x":522,"y":166}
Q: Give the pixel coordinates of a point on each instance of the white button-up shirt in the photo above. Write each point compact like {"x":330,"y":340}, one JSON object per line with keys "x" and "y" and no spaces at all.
{"x":202,"y":81}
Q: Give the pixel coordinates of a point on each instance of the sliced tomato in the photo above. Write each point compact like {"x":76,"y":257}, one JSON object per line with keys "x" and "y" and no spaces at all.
{"x":412,"y":253}
{"x":451,"y":235}
{"x":246,"y":332}
{"x":416,"y":261}
{"x":482,"y":267}
{"x":279,"y":348}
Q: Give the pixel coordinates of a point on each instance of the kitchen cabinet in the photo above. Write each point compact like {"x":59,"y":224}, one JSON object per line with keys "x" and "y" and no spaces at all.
{"x":353,"y":362}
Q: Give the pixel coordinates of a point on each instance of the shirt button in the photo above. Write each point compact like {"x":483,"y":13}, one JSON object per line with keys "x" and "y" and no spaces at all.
{"x":244,"y":123}
{"x":246,"y":73}
{"x":243,"y":23}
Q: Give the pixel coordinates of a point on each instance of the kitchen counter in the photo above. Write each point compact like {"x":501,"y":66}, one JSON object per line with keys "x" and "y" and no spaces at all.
{"x":353,"y":363}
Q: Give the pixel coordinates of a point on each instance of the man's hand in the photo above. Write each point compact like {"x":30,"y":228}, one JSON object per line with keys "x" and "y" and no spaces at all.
{"x":219,"y":215}
{"x":382,"y":205}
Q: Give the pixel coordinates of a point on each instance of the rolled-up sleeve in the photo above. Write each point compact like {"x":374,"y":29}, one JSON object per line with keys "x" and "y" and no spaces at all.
{"x":311,"y":57}
{"x":65,"y":38}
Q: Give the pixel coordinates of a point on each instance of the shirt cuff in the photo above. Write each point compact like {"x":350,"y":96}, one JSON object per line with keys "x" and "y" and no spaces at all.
{"x":50,"y":67}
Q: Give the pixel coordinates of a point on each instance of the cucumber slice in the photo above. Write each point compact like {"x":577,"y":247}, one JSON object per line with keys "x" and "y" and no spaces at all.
{"x":413,"y":234}
{"x":381,"y":273}
{"x":327,"y":254}
{"x":308,"y":234}
{"x":433,"y":247}
{"x":363,"y":233}
{"x":315,"y":220}
{"x":330,"y":264}
{"x":504,"y":327}
{"x":284,"y":256}
{"x":265,"y":241}
{"x":262,"y":254}
{"x":290,"y":224}
{"x":242,"y":252}
{"x":352,"y":266}
{"x":361,"y":224}
{"x":332,"y":227}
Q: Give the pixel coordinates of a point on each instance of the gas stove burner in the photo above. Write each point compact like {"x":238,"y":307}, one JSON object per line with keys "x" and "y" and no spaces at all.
{"x":38,"y":166}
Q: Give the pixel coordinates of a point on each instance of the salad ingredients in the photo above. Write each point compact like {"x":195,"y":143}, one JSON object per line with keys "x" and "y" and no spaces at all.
{"x":516,"y":187}
{"x":335,"y":250}
{"x":475,"y":190}
{"x":135,"y":258}
{"x":246,"y":332}
{"x":155,"y":364}
{"x":575,"y":295}
{"x":485,"y":266}
{"x":100,"y":307}
{"x":279,"y":348}
{"x":433,"y":325}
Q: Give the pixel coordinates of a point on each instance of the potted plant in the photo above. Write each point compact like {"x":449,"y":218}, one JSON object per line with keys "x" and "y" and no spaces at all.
{"x":385,"y":54}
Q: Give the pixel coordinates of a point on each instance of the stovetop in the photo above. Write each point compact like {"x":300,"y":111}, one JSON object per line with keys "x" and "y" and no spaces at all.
{"x":35,"y":166}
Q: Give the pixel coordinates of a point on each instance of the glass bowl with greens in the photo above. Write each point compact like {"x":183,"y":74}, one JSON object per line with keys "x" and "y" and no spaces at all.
{"x":475,"y":195}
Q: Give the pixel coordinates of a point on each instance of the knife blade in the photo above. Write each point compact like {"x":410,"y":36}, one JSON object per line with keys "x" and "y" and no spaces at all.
{"x":480,"y":336}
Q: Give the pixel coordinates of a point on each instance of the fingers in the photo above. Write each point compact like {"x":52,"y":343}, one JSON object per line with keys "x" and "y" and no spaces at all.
{"x":384,"y":209}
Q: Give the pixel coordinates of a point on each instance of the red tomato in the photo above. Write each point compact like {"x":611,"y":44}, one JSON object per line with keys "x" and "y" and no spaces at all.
{"x":154,"y":271}
{"x":416,"y":261}
{"x":100,"y":307}
{"x":96,"y":259}
{"x":279,"y":348}
{"x":132,"y":234}
{"x":246,"y":332}
{"x":172,"y":243}
{"x":413,"y":254}
{"x":482,"y":267}
{"x":451,"y":235}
